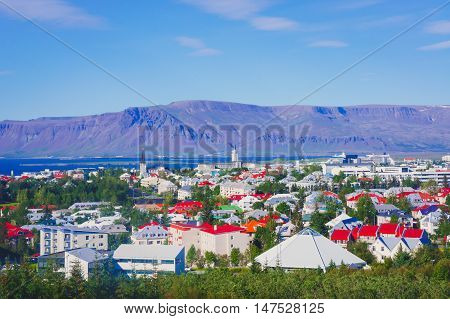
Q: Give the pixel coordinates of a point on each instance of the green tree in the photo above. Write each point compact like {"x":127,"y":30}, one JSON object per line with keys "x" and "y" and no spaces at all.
{"x":210,"y":258}
{"x":258,"y":205}
{"x":365,"y":210}
{"x":361,"y":249}
{"x":191,"y":256}
{"x":235,"y":257}
{"x":283,"y":208}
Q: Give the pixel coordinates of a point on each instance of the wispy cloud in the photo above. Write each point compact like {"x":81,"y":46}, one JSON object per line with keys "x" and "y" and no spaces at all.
{"x":55,"y":11}
{"x":273,"y":23}
{"x":231,"y":9}
{"x":385,"y":22}
{"x":438,"y":27}
{"x":245,"y":10}
{"x":328,"y":44}
{"x":436,"y":46}
{"x":354,"y":5}
{"x":198,"y":46}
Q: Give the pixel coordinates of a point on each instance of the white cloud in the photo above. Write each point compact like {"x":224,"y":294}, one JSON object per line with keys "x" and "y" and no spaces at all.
{"x":328,"y":44}
{"x":245,"y":10}
{"x":438,"y":27}
{"x":273,"y":23}
{"x":55,"y":11}
{"x":436,"y":46}
{"x":385,"y":22}
{"x":353,"y":5}
{"x":231,"y":9}
{"x":200,"y":48}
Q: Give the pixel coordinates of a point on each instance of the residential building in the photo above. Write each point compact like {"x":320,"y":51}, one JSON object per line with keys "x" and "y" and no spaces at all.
{"x":55,"y":239}
{"x":86,"y":258}
{"x":308,"y":249}
{"x":149,"y":260}
{"x":232,"y":188}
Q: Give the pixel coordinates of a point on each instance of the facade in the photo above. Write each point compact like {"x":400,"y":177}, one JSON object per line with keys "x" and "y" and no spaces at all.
{"x":222,"y":239}
{"x":144,"y":260}
{"x":388,"y":247}
{"x":86,"y":258}
{"x":55,"y":239}
{"x":150,"y":235}
{"x":205,"y":237}
{"x":231,"y":188}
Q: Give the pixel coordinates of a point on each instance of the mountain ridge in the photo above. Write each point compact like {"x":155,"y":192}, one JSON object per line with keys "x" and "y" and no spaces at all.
{"x":201,"y":127}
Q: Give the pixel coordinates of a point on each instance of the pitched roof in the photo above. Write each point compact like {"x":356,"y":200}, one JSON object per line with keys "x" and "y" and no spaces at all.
{"x":341,"y":234}
{"x":388,"y":229}
{"x":413,"y":233}
{"x":368,"y":231}
{"x":308,"y":249}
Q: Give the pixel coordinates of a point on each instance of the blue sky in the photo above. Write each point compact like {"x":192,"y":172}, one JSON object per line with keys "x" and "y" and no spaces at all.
{"x":267,"y":52}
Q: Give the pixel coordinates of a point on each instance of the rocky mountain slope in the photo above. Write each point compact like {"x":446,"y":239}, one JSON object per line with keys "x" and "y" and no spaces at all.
{"x":204,"y":127}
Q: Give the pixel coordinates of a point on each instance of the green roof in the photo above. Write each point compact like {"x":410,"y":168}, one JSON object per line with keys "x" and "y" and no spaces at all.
{"x":231,"y":207}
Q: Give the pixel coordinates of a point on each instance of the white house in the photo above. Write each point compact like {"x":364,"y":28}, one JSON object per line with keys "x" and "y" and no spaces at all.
{"x":388,"y":247}
{"x":86,"y":258}
{"x":150,"y":235}
{"x":55,"y":239}
{"x":231,"y":188}
{"x":142,"y":260}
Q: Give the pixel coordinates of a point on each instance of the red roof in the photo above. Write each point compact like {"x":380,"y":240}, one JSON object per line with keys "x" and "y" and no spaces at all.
{"x":217,"y":230}
{"x":379,"y":198}
{"x":185,"y":227}
{"x":185,"y":206}
{"x":205,"y":183}
{"x":262,"y":196}
{"x":341,"y":234}
{"x":267,"y":218}
{"x":368,"y":231}
{"x":331,"y":194}
{"x":236,"y":197}
{"x":13,"y":231}
{"x":413,"y":233}
{"x":388,"y":229}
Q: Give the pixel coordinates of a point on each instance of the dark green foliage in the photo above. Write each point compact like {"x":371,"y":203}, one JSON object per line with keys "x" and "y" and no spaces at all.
{"x":272,"y":188}
{"x":429,"y":281}
{"x":365,"y":210}
{"x":318,"y":221}
{"x":361,"y":250}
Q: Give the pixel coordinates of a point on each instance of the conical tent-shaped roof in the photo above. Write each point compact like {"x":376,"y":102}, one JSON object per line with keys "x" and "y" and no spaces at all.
{"x":308,"y":249}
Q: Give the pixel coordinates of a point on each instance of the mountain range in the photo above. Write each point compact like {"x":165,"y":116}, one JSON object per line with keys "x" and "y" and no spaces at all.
{"x":189,"y":128}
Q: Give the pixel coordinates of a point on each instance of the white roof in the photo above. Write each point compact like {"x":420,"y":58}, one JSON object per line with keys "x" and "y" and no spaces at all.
{"x":337,"y":220}
{"x":308,"y":249}
{"x":129,"y":251}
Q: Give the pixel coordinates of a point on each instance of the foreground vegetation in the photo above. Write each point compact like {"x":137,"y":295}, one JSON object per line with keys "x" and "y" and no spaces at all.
{"x":426,"y":275}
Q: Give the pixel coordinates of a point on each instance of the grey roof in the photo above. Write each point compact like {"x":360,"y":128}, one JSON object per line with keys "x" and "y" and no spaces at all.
{"x":308,"y":249}
{"x":128,"y":251}
{"x":87,"y":254}
{"x":74,"y":229}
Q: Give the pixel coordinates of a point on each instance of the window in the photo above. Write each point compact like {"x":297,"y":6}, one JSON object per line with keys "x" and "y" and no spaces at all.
{"x":67,"y":237}
{"x":47,"y":250}
{"x":167,"y":262}
{"x":47,"y":235}
{"x":101,"y":244}
{"x":47,"y":243}
{"x":87,"y":237}
{"x":232,"y":237}
{"x":100,"y":236}
{"x":382,"y":248}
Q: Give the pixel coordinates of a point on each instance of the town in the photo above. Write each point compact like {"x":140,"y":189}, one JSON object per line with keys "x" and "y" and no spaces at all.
{"x":346,"y":213}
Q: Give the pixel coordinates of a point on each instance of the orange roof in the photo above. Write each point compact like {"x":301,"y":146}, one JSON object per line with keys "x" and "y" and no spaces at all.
{"x":250,"y":226}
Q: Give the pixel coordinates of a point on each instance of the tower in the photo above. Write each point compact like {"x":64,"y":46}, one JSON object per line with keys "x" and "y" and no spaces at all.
{"x":142,"y":165}
{"x":234,"y":155}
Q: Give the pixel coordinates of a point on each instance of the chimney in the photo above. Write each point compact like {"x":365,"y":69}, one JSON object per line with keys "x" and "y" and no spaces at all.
{"x":215,"y":227}
{"x":199,"y":223}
